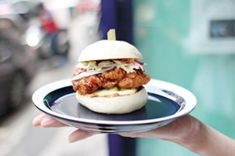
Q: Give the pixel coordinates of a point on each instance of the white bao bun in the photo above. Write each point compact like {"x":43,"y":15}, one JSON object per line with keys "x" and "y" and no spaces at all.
{"x":109,"y":49}
{"x":114,"y":105}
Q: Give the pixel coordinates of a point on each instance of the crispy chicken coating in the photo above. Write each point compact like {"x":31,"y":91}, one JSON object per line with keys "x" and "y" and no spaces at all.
{"x":133,"y":80}
{"x":116,"y":77}
{"x":115,"y":74}
{"x":87,"y":85}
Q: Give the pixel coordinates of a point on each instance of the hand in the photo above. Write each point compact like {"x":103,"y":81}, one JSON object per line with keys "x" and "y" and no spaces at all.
{"x":45,"y":121}
{"x":186,"y":131}
{"x":177,"y":131}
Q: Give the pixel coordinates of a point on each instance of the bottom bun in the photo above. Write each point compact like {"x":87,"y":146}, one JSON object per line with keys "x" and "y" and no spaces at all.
{"x":114,"y":105}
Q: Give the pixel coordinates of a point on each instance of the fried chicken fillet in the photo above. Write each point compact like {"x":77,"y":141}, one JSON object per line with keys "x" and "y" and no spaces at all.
{"x":116,"y":77}
{"x":119,"y":77}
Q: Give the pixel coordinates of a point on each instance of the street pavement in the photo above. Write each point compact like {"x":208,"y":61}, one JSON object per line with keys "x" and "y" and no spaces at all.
{"x":17,"y":135}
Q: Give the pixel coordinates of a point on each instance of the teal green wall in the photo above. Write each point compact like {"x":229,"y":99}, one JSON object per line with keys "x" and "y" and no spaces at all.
{"x":161,"y":29}
{"x":159,"y":38}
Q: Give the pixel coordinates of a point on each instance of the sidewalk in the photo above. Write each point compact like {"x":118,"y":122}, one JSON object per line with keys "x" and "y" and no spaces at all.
{"x":17,"y":135}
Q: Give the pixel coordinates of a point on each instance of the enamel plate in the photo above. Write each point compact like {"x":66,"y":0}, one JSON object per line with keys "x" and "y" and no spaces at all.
{"x":166,"y":102}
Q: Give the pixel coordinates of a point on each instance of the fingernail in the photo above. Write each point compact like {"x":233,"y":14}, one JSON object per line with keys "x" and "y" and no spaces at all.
{"x":72,"y":139}
{"x":37,"y":120}
{"x":35,"y":123}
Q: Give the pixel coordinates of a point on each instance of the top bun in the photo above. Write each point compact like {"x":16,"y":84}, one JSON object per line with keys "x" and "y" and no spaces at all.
{"x":109,"y":49}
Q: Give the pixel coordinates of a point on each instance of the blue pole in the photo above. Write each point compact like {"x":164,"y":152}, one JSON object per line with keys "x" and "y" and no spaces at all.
{"x":117,"y":14}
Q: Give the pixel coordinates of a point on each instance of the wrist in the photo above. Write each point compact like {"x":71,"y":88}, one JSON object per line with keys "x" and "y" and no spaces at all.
{"x":194,"y":135}
{"x":199,"y":138}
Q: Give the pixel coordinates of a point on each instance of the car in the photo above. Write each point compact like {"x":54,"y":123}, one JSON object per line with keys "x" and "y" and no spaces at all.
{"x":18,"y":65}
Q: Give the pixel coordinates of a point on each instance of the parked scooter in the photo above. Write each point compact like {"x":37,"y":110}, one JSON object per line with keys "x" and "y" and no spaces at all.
{"x":47,"y":46}
{"x":43,"y":34}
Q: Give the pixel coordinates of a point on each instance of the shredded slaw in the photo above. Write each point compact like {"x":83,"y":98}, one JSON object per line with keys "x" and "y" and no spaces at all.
{"x":96,"y":67}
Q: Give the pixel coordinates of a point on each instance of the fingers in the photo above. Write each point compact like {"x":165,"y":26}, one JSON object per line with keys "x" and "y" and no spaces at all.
{"x":135,"y":135}
{"x":45,"y":121}
{"x":37,"y":120}
{"x":79,"y":135}
{"x":49,"y":122}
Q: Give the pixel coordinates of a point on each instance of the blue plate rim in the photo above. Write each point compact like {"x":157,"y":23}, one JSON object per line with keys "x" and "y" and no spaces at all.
{"x":154,"y":86}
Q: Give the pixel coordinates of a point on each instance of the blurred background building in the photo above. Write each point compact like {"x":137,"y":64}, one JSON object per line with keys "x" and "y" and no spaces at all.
{"x":190,"y":44}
